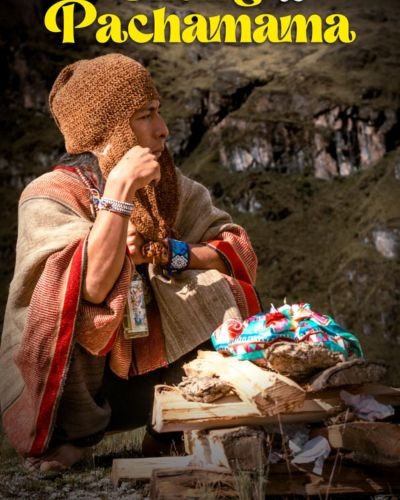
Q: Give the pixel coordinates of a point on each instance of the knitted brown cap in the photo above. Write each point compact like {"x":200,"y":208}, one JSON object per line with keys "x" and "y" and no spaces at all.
{"x":92,"y":102}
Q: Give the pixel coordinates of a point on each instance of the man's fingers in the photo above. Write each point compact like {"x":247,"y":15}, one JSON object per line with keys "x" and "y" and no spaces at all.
{"x":155,"y":181}
{"x":130,"y":240}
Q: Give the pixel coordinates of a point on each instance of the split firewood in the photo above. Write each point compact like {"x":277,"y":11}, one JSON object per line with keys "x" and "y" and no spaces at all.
{"x":238,"y":448}
{"x":270,"y":393}
{"x":371,"y":442}
{"x":382,"y":393}
{"x":172,"y":412}
{"x":353,"y":372}
{"x":198,"y":447}
{"x":339,"y":477}
{"x":193,"y":483}
{"x":204,"y":389}
{"x":134,"y":469}
{"x":345,"y":479}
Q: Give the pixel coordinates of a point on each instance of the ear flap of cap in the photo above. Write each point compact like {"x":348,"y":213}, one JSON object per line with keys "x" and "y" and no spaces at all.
{"x":119,"y":142}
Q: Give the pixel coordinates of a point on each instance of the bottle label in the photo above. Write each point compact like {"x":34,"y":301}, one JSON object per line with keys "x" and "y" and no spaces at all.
{"x":135,"y":318}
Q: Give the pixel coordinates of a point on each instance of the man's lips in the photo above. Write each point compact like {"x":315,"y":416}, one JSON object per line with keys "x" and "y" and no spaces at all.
{"x":158,"y":152}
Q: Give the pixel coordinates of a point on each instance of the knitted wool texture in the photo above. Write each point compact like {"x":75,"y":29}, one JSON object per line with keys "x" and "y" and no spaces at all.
{"x":92,"y":102}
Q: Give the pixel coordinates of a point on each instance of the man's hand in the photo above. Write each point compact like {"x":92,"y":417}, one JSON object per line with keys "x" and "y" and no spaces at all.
{"x":156,"y":252}
{"x":136,"y":169}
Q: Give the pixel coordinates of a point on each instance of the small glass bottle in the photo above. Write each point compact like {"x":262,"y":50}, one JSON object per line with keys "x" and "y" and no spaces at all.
{"x":135,"y":318}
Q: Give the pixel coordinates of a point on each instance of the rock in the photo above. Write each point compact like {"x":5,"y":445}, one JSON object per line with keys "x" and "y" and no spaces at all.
{"x":205,"y":108}
{"x":230,"y":91}
{"x":325,"y":166}
{"x":349,"y":139}
{"x":387,"y":242}
{"x":287,"y":137}
{"x":248,"y":203}
{"x":268,"y":145}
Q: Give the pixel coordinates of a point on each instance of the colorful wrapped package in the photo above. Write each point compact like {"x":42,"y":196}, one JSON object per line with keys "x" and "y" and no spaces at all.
{"x":250,"y":338}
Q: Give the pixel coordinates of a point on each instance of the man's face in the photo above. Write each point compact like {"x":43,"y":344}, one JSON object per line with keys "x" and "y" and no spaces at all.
{"x":149,"y":127}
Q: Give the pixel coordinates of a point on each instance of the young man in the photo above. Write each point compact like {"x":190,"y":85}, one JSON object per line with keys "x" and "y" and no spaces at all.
{"x":115,"y":209}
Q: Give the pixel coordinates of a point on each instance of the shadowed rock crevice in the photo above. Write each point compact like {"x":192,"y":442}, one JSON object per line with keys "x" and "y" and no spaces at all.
{"x":392,"y":137}
{"x":207,"y":108}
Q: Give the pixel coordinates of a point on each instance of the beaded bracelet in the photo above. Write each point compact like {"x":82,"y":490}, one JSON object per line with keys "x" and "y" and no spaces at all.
{"x":118,"y":207}
{"x":179,"y":256}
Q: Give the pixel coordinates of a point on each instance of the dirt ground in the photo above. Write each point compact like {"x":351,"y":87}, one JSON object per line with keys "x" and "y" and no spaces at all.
{"x":86,"y":482}
{"x":89,"y":480}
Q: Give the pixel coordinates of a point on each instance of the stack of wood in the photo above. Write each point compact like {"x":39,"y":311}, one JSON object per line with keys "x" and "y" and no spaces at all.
{"x":233,"y":413}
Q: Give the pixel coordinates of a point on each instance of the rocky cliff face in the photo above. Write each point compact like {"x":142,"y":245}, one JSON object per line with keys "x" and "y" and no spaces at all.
{"x":337,"y":141}
{"x":299,"y":142}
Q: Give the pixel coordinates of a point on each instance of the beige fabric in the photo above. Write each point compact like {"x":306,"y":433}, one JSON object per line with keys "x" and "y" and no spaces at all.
{"x":191,"y":307}
{"x":194,"y":303}
{"x":55,"y":226}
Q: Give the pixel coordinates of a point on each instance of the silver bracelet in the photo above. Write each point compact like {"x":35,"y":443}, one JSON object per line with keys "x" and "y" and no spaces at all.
{"x":116,"y":206}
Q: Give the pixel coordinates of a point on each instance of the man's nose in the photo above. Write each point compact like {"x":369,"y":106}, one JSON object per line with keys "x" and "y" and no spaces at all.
{"x":162,"y":129}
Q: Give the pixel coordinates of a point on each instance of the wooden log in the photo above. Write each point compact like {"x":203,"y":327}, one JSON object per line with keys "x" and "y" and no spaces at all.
{"x":171,"y":412}
{"x":382,"y":393}
{"x":356,"y":371}
{"x":194,"y":483}
{"x":338,"y":478}
{"x":372,"y":442}
{"x":197,"y":445}
{"x":131,"y":469}
{"x":270,"y":393}
{"x":238,"y":448}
